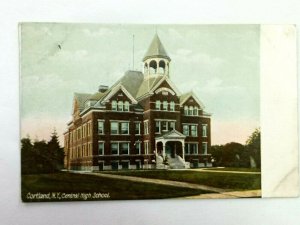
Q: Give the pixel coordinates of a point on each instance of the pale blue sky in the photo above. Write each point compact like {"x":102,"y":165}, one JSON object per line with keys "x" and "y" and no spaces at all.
{"x":220,"y":63}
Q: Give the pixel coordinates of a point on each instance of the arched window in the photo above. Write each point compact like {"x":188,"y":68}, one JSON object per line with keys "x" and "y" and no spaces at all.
{"x":165,"y":105}
{"x":191,"y":110}
{"x":153,"y":67}
{"x":196,"y":111}
{"x":186,"y":109}
{"x":126,"y":106}
{"x":114,"y":105}
{"x":120,"y":106}
{"x":157,"y":105}
{"x":172,"y":106}
{"x":161,"y":67}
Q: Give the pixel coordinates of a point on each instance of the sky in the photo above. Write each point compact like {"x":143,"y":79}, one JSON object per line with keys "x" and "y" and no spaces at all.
{"x":219,"y":63}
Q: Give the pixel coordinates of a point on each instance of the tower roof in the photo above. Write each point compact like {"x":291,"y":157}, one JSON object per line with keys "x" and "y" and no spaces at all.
{"x":156,"y":49}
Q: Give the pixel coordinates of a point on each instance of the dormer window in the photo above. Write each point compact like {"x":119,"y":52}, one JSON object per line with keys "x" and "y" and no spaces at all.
{"x":191,"y":110}
{"x":186,"y":109}
{"x":114,"y":105}
{"x":120,"y":106}
{"x":165,"y":105}
{"x":126,"y":106}
{"x":172,"y":106}
{"x":157,"y":105}
{"x":196,"y":111}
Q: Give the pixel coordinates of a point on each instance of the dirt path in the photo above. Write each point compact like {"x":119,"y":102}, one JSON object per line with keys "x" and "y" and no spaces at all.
{"x":220,"y":193}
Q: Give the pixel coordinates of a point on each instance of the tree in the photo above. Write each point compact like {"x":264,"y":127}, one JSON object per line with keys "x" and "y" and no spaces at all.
{"x":253,"y":146}
{"x":56,"y":153}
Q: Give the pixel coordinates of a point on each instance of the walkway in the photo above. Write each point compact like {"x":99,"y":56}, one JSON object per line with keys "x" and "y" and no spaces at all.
{"x":222,"y":171}
{"x":220,"y":193}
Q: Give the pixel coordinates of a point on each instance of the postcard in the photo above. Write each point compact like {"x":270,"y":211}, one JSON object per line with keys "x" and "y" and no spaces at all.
{"x":127,"y":112}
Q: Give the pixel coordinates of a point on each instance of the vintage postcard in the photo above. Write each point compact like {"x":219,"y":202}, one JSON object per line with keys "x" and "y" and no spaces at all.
{"x":112,"y":112}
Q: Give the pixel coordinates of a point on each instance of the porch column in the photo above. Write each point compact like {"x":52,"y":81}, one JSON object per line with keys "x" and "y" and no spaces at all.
{"x":182,"y":143}
{"x":164,"y":149}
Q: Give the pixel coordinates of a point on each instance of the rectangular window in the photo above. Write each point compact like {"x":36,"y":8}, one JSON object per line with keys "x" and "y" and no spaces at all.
{"x":172,"y":106}
{"x":146,"y":148}
{"x":146,"y":128}
{"x":126,"y":106}
{"x":171,"y":125}
{"x":114,"y":127}
{"x":204,"y":130}
{"x":164,"y":125}
{"x":157,"y":127}
{"x":120,"y":106}
{"x":193,"y":130}
{"x":100,"y":148}
{"x":157,"y":105}
{"x":114,"y":148}
{"x":204,"y":148}
{"x":124,"y":148}
{"x":125,"y":128}
{"x":165,"y":105}
{"x":137,"y":128}
{"x":138,"y":148}
{"x":193,"y":149}
{"x":89,"y":130}
{"x":114,"y":105}
{"x":100,"y":127}
{"x":186,"y":149}
{"x":186,"y":130}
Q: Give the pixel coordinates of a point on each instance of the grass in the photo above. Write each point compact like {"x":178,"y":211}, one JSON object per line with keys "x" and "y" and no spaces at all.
{"x":80,"y":187}
{"x":229,"y":181}
{"x":234,"y":169}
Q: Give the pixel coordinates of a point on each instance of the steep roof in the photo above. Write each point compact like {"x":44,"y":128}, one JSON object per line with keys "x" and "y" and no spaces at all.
{"x":81,"y":98}
{"x":184,"y":97}
{"x":156,"y":49}
{"x":147,"y":85}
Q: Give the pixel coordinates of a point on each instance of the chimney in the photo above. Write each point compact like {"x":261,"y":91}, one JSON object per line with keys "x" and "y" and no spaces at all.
{"x":102,"y":88}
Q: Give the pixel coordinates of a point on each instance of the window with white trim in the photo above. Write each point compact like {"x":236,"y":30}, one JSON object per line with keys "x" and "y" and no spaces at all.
{"x":157,"y":105}
{"x":157,"y":127}
{"x":114,"y":105}
{"x":114,"y":127}
{"x":172,"y":106}
{"x":164,"y":125}
{"x":114,"y":147}
{"x":185,"y":130}
{"x":146,"y":147}
{"x":120,"y":106}
{"x":146,"y":127}
{"x":195,"y":111}
{"x":204,"y":130}
{"x":138,"y":147}
{"x":126,"y":106}
{"x":124,"y":128}
{"x":137,"y":127}
{"x":100,"y":148}
{"x":186,"y":110}
{"x":191,"y":148}
{"x":165,"y":105}
{"x":194,"y":131}
{"x":204,"y":148}
{"x":171,"y":125}
{"x":124,"y":148}
{"x":100,"y":127}
{"x":191,"y":110}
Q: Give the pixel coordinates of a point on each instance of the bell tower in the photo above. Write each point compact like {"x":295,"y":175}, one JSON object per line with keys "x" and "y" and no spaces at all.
{"x":156,"y":61}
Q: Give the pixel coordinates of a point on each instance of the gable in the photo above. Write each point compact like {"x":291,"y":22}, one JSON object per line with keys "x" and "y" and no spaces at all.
{"x":165,"y":85}
{"x":191,"y":99}
{"x":119,"y":92}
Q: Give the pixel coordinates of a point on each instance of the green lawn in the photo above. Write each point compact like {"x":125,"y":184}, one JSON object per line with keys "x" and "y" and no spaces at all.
{"x":228,"y":181}
{"x":79,"y":187}
{"x":234,"y":169}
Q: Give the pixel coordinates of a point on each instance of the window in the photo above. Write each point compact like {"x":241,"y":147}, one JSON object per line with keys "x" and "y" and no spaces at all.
{"x":100,"y":127}
{"x":191,"y":110}
{"x":114,"y":105}
{"x":126,"y":106}
{"x":120,"y":106}
{"x":114,"y":148}
{"x":186,"y":130}
{"x":125,"y":128}
{"x":193,"y":149}
{"x":157,"y":127}
{"x":137,"y":128}
{"x":204,"y":148}
{"x":89,"y":129}
{"x":186,"y":149}
{"x":100,"y":148}
{"x":165,"y":105}
{"x":204,"y":130}
{"x":171,"y":125}
{"x":172,"y":106}
{"x":146,"y":148}
{"x":196,"y":111}
{"x":186,"y":109}
{"x":157,"y":105}
{"x":146,"y":128}
{"x":138,"y":148}
{"x":124,"y":148}
{"x":114,"y":127}
{"x":194,"y":130}
{"x":125,"y":165}
{"x":164,"y":125}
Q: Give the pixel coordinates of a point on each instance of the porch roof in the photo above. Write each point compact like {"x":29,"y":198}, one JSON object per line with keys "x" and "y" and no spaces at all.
{"x":171,"y":135}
